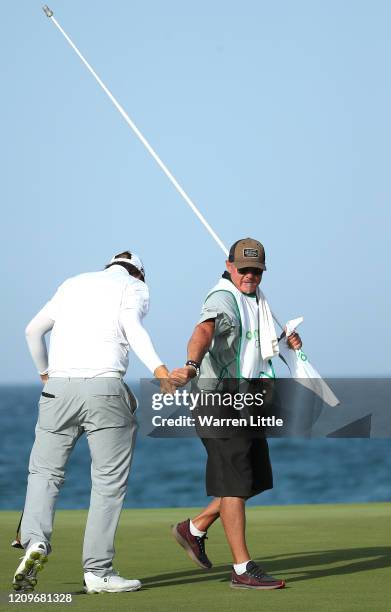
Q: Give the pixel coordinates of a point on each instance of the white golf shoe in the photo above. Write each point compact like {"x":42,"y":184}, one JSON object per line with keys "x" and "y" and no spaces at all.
{"x":109,"y":584}
{"x":33,"y":561}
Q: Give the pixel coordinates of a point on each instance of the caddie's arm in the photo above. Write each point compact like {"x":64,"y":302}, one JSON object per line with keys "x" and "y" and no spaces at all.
{"x":197,"y":348}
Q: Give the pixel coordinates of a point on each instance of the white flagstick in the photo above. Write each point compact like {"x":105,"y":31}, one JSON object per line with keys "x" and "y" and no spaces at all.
{"x":139,"y":135}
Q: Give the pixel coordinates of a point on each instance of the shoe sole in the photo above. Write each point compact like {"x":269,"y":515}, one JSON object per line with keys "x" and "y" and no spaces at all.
{"x":98,"y":592}
{"x":258,"y":588}
{"x":182,"y":542}
{"x":26,"y":578}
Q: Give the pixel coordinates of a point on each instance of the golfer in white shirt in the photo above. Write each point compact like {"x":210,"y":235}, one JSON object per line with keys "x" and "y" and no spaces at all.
{"x":94,"y":319}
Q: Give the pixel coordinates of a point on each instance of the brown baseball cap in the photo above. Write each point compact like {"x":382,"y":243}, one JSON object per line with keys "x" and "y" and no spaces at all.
{"x":247,"y":253}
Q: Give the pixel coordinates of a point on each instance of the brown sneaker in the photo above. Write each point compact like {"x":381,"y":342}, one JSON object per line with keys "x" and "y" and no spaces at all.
{"x":193,"y":545}
{"x":255,"y":578}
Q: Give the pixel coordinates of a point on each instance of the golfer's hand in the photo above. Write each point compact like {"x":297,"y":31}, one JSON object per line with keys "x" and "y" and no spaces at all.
{"x":166,"y":386}
{"x":44,"y":378}
{"x":294,"y":341}
{"x":181,"y":376}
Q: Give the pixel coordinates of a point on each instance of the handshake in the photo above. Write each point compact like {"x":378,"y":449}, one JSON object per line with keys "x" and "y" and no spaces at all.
{"x":170,"y":381}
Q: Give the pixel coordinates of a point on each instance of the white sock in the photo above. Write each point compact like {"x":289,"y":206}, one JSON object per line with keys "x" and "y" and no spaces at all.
{"x":240,"y":568}
{"x":196,"y":532}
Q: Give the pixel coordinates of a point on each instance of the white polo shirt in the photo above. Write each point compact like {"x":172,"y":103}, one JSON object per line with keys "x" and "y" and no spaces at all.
{"x":94,"y":318}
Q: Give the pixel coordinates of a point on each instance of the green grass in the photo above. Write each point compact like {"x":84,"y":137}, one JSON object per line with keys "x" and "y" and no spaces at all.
{"x":334,"y":558}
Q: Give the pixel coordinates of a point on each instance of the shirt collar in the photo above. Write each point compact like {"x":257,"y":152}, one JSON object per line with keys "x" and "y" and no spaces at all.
{"x":117,"y":269}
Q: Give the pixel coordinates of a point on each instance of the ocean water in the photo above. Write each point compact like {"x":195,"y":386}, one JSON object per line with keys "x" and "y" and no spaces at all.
{"x":170,"y":472}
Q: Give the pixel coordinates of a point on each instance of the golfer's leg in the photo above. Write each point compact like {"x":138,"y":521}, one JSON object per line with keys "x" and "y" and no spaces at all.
{"x":46,"y":476}
{"x":111,"y":453}
{"x":233,"y":517}
{"x":208,"y":516}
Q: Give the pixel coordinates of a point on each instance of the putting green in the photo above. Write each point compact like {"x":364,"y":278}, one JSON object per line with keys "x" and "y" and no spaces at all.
{"x":335,"y":558}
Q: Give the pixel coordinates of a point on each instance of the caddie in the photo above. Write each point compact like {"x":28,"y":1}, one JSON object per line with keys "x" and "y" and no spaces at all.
{"x":234,"y":339}
{"x":94,"y":318}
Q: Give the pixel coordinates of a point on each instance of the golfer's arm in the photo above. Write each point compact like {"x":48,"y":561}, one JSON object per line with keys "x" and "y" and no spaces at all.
{"x":140,"y":341}
{"x":35,"y":336}
{"x":201,"y":340}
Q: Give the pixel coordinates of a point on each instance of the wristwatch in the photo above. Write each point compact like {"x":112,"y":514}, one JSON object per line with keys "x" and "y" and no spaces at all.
{"x":194,"y":365}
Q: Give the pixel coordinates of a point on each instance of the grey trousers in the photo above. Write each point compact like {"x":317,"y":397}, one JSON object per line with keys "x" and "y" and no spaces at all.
{"x":103,"y":408}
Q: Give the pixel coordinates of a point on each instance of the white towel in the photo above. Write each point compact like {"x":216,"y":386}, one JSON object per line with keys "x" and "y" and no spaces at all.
{"x":267,"y":332}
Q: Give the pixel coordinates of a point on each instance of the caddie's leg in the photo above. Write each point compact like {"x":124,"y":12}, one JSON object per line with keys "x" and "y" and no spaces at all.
{"x":111,"y":453}
{"x":46,"y":476}
{"x":208,"y":516}
{"x":233,"y":517}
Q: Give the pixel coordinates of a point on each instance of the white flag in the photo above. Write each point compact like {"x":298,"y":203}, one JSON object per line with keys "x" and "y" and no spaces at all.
{"x":302,"y":370}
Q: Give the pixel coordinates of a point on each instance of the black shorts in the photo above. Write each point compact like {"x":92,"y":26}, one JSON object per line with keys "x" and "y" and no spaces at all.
{"x":237,"y":467}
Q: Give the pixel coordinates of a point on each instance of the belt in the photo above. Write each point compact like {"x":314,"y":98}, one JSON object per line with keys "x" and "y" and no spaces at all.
{"x":81,"y":374}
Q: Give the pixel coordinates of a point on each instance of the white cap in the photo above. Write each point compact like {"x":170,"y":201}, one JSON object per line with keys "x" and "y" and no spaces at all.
{"x":134,"y":260}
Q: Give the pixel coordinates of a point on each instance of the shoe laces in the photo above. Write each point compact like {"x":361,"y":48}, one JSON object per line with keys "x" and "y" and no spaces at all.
{"x":201,"y":543}
{"x":255,"y":571}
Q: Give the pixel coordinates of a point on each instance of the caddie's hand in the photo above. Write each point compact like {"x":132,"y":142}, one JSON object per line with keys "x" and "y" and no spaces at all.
{"x":181,"y":376}
{"x":44,"y":378}
{"x":294,"y":341}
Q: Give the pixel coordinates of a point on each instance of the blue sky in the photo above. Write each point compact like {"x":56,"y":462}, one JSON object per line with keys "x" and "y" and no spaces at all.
{"x":273,"y":116}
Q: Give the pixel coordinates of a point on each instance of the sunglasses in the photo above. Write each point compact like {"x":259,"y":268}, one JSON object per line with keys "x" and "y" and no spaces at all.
{"x":255,"y":271}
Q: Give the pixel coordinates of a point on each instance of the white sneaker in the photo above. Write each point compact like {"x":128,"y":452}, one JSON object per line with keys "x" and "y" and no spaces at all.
{"x":109,"y":584}
{"x":32,"y":562}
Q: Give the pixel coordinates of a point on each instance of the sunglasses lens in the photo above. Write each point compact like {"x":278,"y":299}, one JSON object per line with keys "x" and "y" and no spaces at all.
{"x":255,"y":271}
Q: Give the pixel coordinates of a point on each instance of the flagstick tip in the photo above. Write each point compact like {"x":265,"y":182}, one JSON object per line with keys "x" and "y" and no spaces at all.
{"x":48,"y":12}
